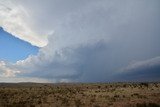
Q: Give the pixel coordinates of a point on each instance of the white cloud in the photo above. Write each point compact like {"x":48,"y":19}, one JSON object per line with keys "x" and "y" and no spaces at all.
{"x":15,"y":20}
{"x":23,"y":79}
{"x":6,"y":71}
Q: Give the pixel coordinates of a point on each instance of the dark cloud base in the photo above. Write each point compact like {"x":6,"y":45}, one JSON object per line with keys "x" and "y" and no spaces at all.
{"x":148,"y":74}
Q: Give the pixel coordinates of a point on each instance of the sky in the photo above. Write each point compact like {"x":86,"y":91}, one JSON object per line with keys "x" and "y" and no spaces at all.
{"x":79,"y":40}
{"x":19,"y":48}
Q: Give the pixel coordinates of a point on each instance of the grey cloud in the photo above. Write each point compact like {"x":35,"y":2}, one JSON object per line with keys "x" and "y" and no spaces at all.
{"x":147,"y":70}
{"x":78,"y":65}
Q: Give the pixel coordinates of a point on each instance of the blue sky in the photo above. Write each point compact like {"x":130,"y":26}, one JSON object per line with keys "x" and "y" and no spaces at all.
{"x":13,"y":49}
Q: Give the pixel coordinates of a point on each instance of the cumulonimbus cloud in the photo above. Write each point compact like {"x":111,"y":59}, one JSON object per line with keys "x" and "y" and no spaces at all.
{"x":91,"y":40}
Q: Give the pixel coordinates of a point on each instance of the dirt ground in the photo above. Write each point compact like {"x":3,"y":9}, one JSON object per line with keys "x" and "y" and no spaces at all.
{"x":80,"y":95}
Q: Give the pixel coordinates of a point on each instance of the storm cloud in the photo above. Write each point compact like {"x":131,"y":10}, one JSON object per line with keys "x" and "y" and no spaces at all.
{"x":93,"y":41}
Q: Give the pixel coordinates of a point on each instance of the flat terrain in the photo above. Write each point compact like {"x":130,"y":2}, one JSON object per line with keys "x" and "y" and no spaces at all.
{"x":80,"y":95}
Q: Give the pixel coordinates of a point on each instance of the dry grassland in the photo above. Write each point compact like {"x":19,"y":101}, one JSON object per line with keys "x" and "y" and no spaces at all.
{"x":80,"y":95}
